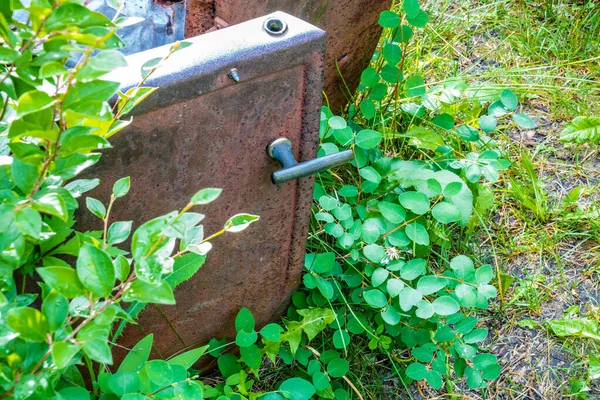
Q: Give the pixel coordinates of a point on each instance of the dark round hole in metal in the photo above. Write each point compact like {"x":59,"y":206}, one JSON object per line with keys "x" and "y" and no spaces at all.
{"x":275,"y":26}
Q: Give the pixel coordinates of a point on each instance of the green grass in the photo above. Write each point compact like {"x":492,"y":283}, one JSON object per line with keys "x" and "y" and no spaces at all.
{"x":547,"y":52}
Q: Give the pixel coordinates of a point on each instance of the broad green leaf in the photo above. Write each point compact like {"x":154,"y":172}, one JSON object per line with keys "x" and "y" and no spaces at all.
{"x":497,"y":109}
{"x":368,"y":139}
{"x":463,"y":267}
{"x":466,"y":325}
{"x":189,"y":358}
{"x":159,"y":372}
{"x":370,"y":174}
{"x":367,"y":108}
{"x":392,"y":212}
{"x":374,"y":253}
{"x":430,"y":284}
{"x":146,"y":292}
{"x":341,"y":339}
{"x":468,"y":133}
{"x":390,"y":74}
{"x":62,"y":279}
{"x":389,"y":19}
{"x":404,"y":34}
{"x":320,"y":380}
{"x":95,"y":207}
{"x":481,"y":361}
{"x":523,"y":120}
{"x":137,"y":356}
{"x":474,"y":379}
{"x":509,"y":99}
{"x":70,"y":14}
{"x":425,"y":309}
{"x":8,"y":56}
{"x":369,"y":77}
{"x":379,"y":276}
{"x":338,"y":367}
{"x":394,"y":287}
{"x":74,"y":393}
{"x":33,"y":101}
{"x":446,"y":212}
{"x":103,"y":62}
{"x":228,"y":365}
{"x":417,"y":233}
{"x":95,"y":270}
{"x":297,"y":389}
{"x":121,"y":187}
{"x":63,"y":353}
{"x":409,"y":298}
{"x":87,"y":92}
{"x":413,"y":269}
{"x":420,"y":20}
{"x":29,"y":323}
{"x":375,"y":298}
{"x":487,"y":123}
{"x":484,"y":274}
{"x":122,"y":383}
{"x":493,"y":371}
{"x":392,"y":53}
{"x":205,"y":196}
{"x":24,"y":175}
{"x":411,"y":8}
{"x":271,"y":332}
{"x":239,"y":222}
{"x":444,"y":121}
{"x":29,"y":222}
{"x":328,"y":203}
{"x":252,"y":356}
{"x":244,"y":321}
{"x":445,"y":305}
{"x":391,"y":315}
{"x":245,"y":339}
{"x":416,"y":202}
{"x":184,"y":268}
{"x":122,"y":268}
{"x":576,"y":327}
{"x":415,"y":86}
{"x":119,"y":232}
{"x":475,"y":336}
{"x":434,"y":379}
{"x":52,"y":204}
{"x":416,"y":371}
{"x":186,"y":390}
{"x":56,"y":309}
{"x":315,"y":320}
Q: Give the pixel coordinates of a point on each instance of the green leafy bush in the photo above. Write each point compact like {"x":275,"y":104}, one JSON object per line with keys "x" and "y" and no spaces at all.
{"x":53,"y":122}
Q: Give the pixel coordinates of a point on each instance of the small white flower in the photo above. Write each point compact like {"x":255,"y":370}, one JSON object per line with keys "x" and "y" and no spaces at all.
{"x":391,"y":254}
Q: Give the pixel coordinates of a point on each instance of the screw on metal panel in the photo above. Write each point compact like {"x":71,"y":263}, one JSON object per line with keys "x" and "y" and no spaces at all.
{"x":234,"y":74}
{"x":275,"y":26}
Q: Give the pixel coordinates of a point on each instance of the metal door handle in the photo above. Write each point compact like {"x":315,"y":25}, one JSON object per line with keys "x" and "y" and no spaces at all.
{"x":281,"y":150}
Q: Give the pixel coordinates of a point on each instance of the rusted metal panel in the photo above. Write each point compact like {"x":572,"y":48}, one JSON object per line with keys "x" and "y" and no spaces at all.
{"x":351,"y":26}
{"x":202,"y":129}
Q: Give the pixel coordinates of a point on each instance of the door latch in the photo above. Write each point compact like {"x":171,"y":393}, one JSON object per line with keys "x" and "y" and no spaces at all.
{"x":281,"y":150}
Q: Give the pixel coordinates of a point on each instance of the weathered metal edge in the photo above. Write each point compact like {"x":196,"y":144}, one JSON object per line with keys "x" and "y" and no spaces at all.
{"x":208,"y":65}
